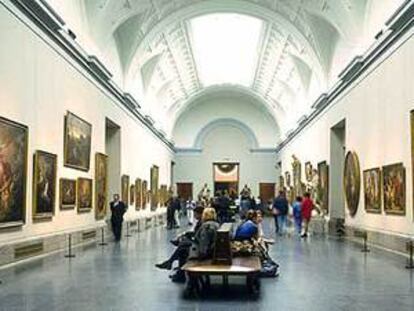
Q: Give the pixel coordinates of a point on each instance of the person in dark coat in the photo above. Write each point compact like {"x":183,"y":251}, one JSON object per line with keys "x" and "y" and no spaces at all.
{"x":118,"y":210}
{"x":280,"y":211}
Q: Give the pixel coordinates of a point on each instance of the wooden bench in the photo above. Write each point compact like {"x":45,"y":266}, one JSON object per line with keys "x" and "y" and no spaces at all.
{"x":222,"y":264}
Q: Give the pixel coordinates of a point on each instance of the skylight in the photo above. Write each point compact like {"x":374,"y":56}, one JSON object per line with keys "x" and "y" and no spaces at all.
{"x":226,"y":48}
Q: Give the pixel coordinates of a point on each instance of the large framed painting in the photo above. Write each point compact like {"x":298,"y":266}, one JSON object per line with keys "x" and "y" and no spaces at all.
{"x":154,"y":186}
{"x":101,"y":185}
{"x":394,"y":189}
{"x":281,"y":183}
{"x":67,"y":193}
{"x":138,"y":194}
{"x":132,"y":194}
{"x":44,"y":185}
{"x":84,"y":195}
{"x":13,"y":173}
{"x":323,"y":186}
{"x":308,"y":171}
{"x":77,"y":142}
{"x":125,"y":189}
{"x":352,"y":182}
{"x":372,"y":190}
{"x":145,"y":194}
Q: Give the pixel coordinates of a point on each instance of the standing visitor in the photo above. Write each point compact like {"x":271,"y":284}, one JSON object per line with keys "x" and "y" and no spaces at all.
{"x":190,"y":206}
{"x":280,"y":211}
{"x":307,"y":207}
{"x":118,"y":210}
{"x":177,"y":209}
{"x":297,"y":214}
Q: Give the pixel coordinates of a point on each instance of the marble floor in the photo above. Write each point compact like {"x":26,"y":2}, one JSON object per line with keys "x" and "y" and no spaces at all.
{"x":316,"y":274}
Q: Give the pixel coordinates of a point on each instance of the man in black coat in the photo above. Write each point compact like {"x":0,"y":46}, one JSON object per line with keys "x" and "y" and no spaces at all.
{"x":118,"y":210}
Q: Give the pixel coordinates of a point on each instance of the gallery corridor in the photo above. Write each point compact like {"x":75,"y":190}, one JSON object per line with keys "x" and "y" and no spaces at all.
{"x":317,"y":274}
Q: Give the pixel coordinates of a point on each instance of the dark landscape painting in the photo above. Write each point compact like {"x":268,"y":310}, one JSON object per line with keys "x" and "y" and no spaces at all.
{"x":67,"y":193}
{"x":77,"y":144}
{"x":44,"y":185}
{"x":101,"y":185}
{"x":13,"y":170}
{"x":84,"y":194}
{"x":394,"y":189}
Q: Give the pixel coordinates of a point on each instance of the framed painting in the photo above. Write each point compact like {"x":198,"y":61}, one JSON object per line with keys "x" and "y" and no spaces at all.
{"x":372,"y":190}
{"x":154,"y":186}
{"x":44,"y":185}
{"x":394,"y":189}
{"x":13,"y":173}
{"x":67,"y":193}
{"x":323,"y":186}
{"x":101,"y":185}
{"x":352,"y":182}
{"x":84,"y":194}
{"x":138,"y":194}
{"x":145,"y":194}
{"x":281,"y":183}
{"x":132,"y":194}
{"x":308,"y":171}
{"x":77,"y":142}
{"x":288,"y":179}
{"x":125,"y":189}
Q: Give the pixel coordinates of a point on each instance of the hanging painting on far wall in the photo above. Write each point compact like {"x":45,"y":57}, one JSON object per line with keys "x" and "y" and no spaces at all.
{"x":77,"y":142}
{"x":154,"y":186}
{"x":132,"y":194}
{"x":44,"y":185}
{"x":281,"y":184}
{"x":13,"y":172}
{"x":394,"y":189}
{"x":322,"y":185}
{"x":372,"y":190}
{"x":138,"y":194}
{"x":145,"y":195}
{"x":352,"y":182}
{"x":125,"y":189}
{"x":67,"y":193}
{"x":84,"y":195}
{"x":288,"y":180}
{"x":101,"y":185}
{"x":308,"y":171}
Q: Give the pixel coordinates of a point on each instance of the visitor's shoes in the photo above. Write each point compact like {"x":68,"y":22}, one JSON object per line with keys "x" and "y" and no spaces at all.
{"x":190,"y":223}
{"x":178,"y":277}
{"x":305,"y":235}
{"x":166,"y":265}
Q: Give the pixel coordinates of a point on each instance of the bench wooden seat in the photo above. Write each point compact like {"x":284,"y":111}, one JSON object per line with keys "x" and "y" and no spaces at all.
{"x":239,"y":266}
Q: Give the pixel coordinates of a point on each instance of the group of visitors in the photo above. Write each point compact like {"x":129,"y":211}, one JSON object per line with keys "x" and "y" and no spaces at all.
{"x":301,"y":213}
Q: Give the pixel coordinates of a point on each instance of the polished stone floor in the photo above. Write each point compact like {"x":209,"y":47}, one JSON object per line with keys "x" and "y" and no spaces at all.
{"x":317,"y":274}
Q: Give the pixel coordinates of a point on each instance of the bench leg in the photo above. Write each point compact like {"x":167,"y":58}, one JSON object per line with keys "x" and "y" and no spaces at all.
{"x":253,"y":284}
{"x":225,"y":281}
{"x":193,"y":285}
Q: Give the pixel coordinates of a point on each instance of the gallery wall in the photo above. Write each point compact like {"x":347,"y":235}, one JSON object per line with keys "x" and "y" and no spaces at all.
{"x":225,"y":143}
{"x":376,"y":110}
{"x":38,"y":85}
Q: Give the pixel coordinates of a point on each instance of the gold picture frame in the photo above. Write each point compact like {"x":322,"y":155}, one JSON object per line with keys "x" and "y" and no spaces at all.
{"x":394,"y":188}
{"x":67,"y":193}
{"x":373,"y":190}
{"x":352,"y":182}
{"x":101,"y":185}
{"x":125,"y":189}
{"x":84,"y":196}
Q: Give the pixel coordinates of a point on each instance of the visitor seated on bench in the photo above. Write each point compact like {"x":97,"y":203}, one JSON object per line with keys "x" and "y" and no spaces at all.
{"x":249,"y":229}
{"x":201,"y":245}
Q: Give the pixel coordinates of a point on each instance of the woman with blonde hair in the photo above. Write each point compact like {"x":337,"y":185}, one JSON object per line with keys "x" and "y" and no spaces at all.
{"x":205,"y":237}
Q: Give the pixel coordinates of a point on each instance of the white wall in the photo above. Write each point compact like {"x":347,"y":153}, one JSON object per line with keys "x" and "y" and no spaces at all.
{"x":225,"y":144}
{"x":37,"y":87}
{"x":377,"y":113}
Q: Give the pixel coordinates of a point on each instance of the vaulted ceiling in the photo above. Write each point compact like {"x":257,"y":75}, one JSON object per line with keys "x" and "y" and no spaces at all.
{"x":287,"y":52}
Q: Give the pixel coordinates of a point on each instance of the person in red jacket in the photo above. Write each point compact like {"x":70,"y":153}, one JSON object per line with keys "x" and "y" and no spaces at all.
{"x":307,"y":207}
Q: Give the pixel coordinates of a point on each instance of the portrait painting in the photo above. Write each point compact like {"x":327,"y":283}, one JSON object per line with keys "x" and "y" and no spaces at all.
{"x":13,"y":173}
{"x":125,"y":189}
{"x":77,"y":142}
{"x":67,"y":193}
{"x":288,"y":179}
{"x":138,"y":194}
{"x":372,"y":190}
{"x":352,"y":182}
{"x":394,"y":189}
{"x":132,"y":194}
{"x":308,"y":171}
{"x":101,"y":185}
{"x":84,"y":194}
{"x":322,"y":185}
{"x":154,"y":186}
{"x":145,"y":194}
{"x":44,"y":185}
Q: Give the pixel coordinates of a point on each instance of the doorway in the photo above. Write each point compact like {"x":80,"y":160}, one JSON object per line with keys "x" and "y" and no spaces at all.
{"x":337,"y":156}
{"x":185,"y":191}
{"x":113,"y":151}
{"x":226,"y":178}
{"x":267,"y":192}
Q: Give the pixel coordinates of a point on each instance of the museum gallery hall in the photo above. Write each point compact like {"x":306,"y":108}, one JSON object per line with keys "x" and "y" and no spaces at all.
{"x":206,"y":155}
